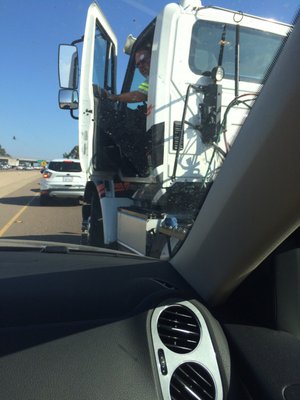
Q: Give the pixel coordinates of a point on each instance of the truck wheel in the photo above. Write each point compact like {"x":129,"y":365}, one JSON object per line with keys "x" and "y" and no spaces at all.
{"x":95,"y":231}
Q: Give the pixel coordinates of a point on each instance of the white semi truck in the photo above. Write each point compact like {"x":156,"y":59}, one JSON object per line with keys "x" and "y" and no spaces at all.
{"x":149,"y":166}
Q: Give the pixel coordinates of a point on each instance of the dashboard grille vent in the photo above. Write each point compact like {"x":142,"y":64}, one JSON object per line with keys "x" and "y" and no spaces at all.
{"x":179,"y":329}
{"x":191,"y":381}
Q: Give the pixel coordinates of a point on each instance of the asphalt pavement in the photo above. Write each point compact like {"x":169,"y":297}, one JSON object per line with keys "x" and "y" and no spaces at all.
{"x":23,"y":218}
{"x":12,"y":180}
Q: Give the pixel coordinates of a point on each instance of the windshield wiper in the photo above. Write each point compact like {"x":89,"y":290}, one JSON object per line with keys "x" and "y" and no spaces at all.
{"x":222,"y":45}
{"x":62,"y":249}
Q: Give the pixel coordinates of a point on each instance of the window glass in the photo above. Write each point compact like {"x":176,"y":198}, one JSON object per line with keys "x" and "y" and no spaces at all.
{"x":109,"y":66}
{"x":64,"y":166}
{"x":138,"y":78}
{"x":99,"y":58}
{"x":103,"y":61}
{"x":258,"y":49}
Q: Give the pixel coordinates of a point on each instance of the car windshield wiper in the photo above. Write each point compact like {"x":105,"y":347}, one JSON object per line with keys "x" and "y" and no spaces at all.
{"x":30,"y":246}
{"x":65,"y":249}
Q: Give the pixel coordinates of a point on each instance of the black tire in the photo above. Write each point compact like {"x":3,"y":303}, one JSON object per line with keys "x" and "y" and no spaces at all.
{"x":95,"y":233}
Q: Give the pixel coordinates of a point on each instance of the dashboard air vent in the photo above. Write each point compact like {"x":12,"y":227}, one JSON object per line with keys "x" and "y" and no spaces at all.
{"x":191,"y":381}
{"x":179,"y":329}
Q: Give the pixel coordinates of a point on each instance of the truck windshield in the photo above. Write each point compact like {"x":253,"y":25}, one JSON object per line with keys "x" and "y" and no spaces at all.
{"x":257,"y":50}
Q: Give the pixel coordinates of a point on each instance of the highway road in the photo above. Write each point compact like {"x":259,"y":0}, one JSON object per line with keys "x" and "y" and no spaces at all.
{"x":22,"y":217}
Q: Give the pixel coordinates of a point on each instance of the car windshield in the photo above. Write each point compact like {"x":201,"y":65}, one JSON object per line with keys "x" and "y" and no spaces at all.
{"x":149,"y":128}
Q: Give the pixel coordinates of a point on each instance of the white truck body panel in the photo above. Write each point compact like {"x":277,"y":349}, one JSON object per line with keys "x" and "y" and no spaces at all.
{"x":109,"y":206}
{"x":170,"y":76}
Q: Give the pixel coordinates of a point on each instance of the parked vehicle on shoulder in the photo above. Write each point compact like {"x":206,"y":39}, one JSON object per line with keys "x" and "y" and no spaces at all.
{"x":63,"y":178}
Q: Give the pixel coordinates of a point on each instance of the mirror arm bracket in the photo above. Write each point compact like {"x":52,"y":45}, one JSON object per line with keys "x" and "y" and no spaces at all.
{"x":77,"y":41}
{"x":73,"y":115}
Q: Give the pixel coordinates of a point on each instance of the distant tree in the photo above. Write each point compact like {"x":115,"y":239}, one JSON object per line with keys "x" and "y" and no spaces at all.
{"x":3,"y":152}
{"x":74,"y":153}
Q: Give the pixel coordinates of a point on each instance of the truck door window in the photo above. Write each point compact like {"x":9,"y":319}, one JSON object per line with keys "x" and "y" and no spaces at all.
{"x":103,"y":64}
{"x":137,"y":79}
{"x":258,"y":49}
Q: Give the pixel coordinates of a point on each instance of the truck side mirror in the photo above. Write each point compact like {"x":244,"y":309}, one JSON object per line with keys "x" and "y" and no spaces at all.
{"x":68,"y":99}
{"x":68,"y":66}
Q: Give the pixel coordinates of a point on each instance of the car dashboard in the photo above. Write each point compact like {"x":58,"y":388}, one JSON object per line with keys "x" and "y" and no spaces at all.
{"x":112,"y":326}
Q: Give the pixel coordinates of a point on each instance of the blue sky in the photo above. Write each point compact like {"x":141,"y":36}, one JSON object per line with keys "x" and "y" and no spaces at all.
{"x":30,"y":32}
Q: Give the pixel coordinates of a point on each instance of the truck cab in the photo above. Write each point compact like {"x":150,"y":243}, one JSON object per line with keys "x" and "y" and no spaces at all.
{"x":150,"y":165}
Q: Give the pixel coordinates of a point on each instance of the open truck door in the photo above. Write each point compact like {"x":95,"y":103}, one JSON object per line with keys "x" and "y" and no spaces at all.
{"x":98,"y":74}
{"x":97,"y":151}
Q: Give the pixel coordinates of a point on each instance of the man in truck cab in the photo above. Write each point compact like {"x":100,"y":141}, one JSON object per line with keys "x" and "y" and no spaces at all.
{"x":142,"y":62}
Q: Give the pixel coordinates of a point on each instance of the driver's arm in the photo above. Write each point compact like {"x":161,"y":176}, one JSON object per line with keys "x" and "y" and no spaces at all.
{"x":129,"y":97}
